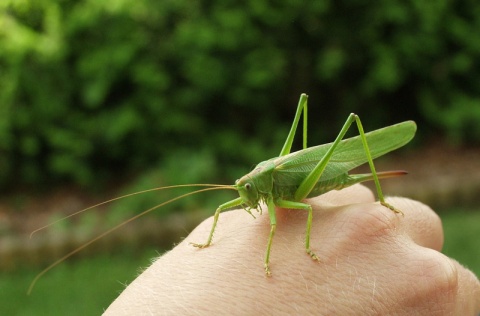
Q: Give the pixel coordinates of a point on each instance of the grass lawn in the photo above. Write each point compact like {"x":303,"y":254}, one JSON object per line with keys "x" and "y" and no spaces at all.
{"x":78,"y":287}
{"x":88,"y":286}
{"x":461,"y":229}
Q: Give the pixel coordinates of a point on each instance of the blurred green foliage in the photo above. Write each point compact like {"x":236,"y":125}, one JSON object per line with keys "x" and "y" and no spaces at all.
{"x":73,"y":281}
{"x":90,"y":90}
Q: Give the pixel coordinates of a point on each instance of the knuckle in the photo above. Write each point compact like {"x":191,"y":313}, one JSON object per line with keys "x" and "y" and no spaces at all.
{"x":436,"y":278}
{"x":439,"y":271}
{"x":370,"y":223}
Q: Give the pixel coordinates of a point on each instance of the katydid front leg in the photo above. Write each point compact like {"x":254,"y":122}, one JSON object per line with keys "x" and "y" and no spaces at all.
{"x":221,"y":208}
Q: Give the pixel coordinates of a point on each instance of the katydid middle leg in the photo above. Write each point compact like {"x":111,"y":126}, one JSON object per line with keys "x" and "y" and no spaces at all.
{"x":273,"y":223}
{"x":301,"y":108}
{"x":301,"y":206}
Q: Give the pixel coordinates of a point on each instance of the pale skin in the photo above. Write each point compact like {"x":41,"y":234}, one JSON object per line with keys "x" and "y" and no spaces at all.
{"x":372,"y":262}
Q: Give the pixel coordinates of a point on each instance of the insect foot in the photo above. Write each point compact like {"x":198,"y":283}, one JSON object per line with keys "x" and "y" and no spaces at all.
{"x":391,"y":207}
{"x":313,"y":255}
{"x":267,"y":270}
{"x":200,"y":245}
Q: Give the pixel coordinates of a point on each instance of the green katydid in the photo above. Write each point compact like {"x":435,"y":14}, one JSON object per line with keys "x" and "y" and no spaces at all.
{"x":286,"y":180}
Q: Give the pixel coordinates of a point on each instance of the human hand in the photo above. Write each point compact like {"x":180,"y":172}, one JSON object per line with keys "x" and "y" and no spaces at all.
{"x":372,"y":262}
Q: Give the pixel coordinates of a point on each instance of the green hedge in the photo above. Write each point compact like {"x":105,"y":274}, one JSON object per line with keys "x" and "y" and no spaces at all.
{"x":90,"y":90}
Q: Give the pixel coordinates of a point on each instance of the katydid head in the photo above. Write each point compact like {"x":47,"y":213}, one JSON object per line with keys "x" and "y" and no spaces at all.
{"x":248,"y":191}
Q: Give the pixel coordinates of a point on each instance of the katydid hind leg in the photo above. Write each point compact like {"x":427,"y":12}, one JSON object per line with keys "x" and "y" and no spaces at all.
{"x":302,"y":107}
{"x":372,"y":168}
{"x":221,"y":208}
{"x":309,"y":182}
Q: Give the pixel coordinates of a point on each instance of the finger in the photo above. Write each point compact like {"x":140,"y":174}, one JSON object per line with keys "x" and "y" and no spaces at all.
{"x":419,"y":222}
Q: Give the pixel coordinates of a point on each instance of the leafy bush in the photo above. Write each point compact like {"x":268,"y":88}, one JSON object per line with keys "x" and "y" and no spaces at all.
{"x":92,"y":90}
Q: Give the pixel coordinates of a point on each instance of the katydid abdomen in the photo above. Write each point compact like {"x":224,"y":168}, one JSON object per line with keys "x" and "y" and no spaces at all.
{"x":338,"y":183}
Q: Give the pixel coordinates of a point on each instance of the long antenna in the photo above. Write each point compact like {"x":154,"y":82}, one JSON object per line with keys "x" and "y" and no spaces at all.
{"x":125,"y":196}
{"x":215,"y":187}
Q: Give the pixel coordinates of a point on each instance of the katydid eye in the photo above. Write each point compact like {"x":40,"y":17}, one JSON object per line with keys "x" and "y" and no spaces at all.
{"x":248,"y":186}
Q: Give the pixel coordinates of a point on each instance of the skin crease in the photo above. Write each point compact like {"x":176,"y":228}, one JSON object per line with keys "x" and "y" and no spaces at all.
{"x":372,"y":262}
